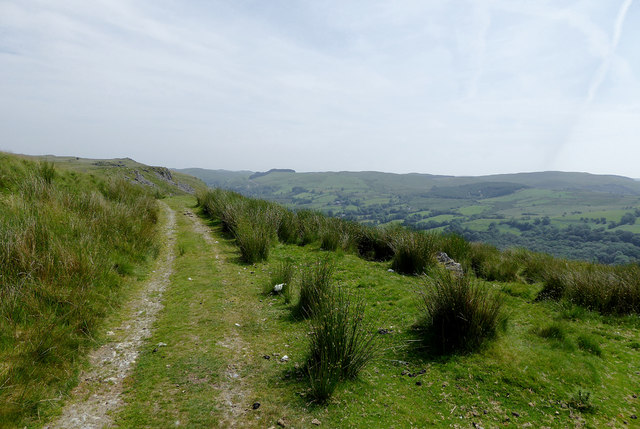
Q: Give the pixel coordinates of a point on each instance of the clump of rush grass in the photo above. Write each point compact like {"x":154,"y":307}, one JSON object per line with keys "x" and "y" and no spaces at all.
{"x":337,"y":234}
{"x":458,"y":315}
{"x":414,"y":251}
{"x":309,"y":225}
{"x":341,"y":343}
{"x":331,"y":234}
{"x":554,"y":331}
{"x":253,"y":240}
{"x":287,"y":227}
{"x":606,"y":289}
{"x":253,"y":223}
{"x":281,"y":280}
{"x":481,"y":257}
{"x":315,"y":284}
{"x":374,"y":244}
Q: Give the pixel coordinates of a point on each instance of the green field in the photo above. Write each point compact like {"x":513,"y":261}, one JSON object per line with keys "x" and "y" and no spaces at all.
{"x":467,"y":205}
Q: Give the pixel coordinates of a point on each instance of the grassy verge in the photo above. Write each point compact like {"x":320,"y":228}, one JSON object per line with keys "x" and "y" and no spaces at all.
{"x":68,"y":244}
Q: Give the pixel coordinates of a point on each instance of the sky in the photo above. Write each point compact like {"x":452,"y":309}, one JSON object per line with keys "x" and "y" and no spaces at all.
{"x":430,"y":86}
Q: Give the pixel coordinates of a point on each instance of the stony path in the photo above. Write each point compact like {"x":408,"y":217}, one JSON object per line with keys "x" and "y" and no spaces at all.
{"x":233,"y":388}
{"x":98,"y":394}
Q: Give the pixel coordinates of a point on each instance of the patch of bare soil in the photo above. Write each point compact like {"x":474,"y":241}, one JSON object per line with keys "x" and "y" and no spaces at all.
{"x":98,"y":394}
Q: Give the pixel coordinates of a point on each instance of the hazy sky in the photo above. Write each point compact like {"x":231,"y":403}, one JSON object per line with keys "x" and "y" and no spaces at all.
{"x":448,"y":87}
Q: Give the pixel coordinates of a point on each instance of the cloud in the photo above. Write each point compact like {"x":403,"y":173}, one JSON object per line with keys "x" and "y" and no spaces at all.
{"x":602,"y":71}
{"x":449,"y":87}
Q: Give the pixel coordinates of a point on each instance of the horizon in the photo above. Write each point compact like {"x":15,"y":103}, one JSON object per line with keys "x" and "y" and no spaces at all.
{"x":326,"y":171}
{"x":449,"y":87}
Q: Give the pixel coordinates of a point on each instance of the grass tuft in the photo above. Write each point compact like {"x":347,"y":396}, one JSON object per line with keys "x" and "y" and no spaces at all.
{"x":589,"y":344}
{"x":458,"y":315}
{"x":341,"y":343}
{"x":414,"y":251}
{"x":315,"y":285}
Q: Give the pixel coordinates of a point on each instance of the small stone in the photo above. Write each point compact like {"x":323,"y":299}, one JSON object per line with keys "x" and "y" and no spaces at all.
{"x":162,"y":344}
{"x":281,"y":423}
{"x":390,"y":270}
{"x":515,"y":414}
{"x":418,"y":383}
{"x":190,"y":279}
{"x":255,"y":405}
{"x":633,"y":416}
{"x":237,"y":324}
{"x":267,"y":357}
{"x":316,"y":422}
{"x":284,"y":358}
{"x":155,"y":349}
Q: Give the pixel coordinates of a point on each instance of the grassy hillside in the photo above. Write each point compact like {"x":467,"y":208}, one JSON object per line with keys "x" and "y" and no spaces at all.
{"x":480,"y":208}
{"x":565,"y":356}
{"x":69,"y":241}
{"x":161,"y":180}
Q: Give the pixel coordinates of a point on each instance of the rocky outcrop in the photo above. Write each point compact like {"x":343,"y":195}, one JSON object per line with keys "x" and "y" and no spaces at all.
{"x":450,"y":264}
{"x":141,"y":179}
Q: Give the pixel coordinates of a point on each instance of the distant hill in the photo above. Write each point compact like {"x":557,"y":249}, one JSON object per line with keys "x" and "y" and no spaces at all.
{"x":161,"y":179}
{"x":534,"y":210}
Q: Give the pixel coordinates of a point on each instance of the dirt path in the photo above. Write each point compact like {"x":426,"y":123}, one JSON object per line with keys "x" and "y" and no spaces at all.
{"x":233,"y":389}
{"x":99,"y":393}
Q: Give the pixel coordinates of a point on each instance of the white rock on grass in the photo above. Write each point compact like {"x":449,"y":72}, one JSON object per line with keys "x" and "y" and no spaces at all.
{"x":278,"y":288}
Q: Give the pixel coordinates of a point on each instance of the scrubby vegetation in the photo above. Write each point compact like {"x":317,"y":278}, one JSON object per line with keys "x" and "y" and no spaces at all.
{"x":67,"y":243}
{"x":607,"y":289}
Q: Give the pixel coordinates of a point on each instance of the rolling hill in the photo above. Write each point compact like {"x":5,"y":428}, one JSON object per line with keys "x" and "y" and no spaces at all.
{"x":546,"y":211}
